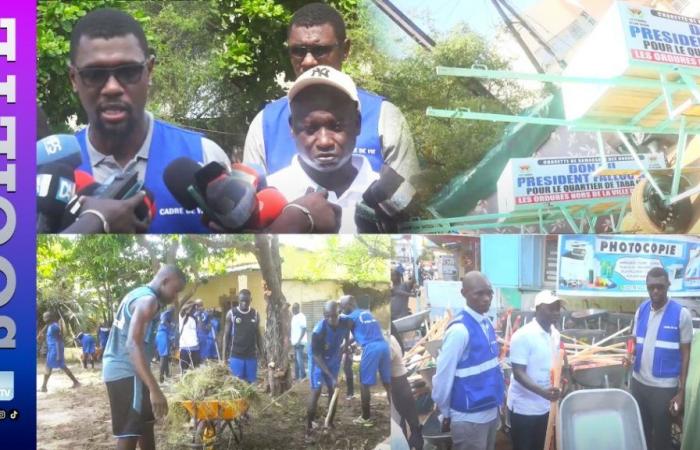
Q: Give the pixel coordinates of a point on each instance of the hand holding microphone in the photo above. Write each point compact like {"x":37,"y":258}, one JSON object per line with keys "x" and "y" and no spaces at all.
{"x":313,"y":214}
{"x":106,"y":215}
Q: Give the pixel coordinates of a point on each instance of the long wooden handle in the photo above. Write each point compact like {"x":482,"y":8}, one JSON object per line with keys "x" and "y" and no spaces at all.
{"x":554,"y":406}
{"x":331,"y":407}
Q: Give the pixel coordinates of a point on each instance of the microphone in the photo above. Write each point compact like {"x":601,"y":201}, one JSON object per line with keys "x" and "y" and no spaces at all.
{"x":58,"y":148}
{"x":271,"y":202}
{"x":232,"y":202}
{"x":82,"y":179}
{"x":253,"y":173}
{"x":180,"y":179}
{"x":55,"y":185}
{"x":383,"y":202}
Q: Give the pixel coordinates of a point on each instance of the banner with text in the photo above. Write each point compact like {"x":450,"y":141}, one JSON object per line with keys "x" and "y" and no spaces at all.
{"x":616,"y":266}
{"x":661,"y":37}
{"x":532,"y":181}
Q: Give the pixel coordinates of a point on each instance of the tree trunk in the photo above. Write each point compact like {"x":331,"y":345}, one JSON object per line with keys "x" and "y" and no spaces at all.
{"x":276,"y":342}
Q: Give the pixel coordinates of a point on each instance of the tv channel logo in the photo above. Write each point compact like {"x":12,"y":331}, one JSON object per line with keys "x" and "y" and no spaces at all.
{"x":7,"y":386}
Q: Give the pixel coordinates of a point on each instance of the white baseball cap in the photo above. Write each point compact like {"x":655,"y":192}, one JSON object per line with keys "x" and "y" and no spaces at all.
{"x":328,"y":76}
{"x":546,"y":297}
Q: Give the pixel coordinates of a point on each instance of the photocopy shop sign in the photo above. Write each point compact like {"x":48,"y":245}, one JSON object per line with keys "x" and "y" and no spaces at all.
{"x":661,"y":37}
{"x":616,"y":266}
{"x":536,"y":181}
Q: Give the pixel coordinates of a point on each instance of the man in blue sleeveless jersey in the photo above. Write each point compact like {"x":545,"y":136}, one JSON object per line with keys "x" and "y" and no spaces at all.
{"x":376,"y":356}
{"x":328,"y":341}
{"x":317,"y":36}
{"x":663,"y":330}
{"x":468,"y":386}
{"x":110,"y":70}
{"x":134,"y":395}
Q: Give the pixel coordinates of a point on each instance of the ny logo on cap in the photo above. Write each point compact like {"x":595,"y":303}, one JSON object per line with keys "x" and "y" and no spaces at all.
{"x":321,"y":72}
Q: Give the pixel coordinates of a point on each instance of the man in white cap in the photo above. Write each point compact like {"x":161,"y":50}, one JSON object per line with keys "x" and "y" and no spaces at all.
{"x":532,"y":352}
{"x":325,"y":122}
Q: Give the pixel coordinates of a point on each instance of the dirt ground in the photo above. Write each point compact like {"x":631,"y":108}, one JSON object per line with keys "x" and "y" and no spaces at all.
{"x":79,"y":419}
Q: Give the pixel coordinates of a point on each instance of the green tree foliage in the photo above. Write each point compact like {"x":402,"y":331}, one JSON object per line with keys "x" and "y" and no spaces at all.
{"x":445,"y":147}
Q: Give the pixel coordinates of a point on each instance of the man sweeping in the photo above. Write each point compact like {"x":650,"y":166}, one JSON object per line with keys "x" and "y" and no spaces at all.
{"x":328,"y":341}
{"x":135,"y":398}
{"x":376,"y":356}
{"x":87,"y":344}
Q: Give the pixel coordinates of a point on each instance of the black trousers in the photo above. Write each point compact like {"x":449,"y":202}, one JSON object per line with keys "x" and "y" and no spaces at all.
{"x":189,"y":359}
{"x":528,"y":432}
{"x":653,"y":405}
{"x":164,"y":367}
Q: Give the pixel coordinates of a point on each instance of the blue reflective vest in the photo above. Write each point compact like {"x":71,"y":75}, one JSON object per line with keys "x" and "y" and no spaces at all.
{"x":116,"y":363}
{"x":280,"y":146}
{"x":478,"y":384}
{"x":168,"y":142}
{"x":667,"y":351}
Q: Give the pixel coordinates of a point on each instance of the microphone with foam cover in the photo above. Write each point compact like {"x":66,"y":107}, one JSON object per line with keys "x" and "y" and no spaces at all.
{"x":180,"y":179}
{"x":231,"y":201}
{"x":82,"y":179}
{"x":253,"y":173}
{"x":55,"y":186}
{"x":58,"y":148}
{"x":383,"y":202}
{"x":271,"y":202}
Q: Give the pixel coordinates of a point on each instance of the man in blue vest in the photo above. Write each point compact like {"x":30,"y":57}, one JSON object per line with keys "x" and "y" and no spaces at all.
{"x":468,"y":386}
{"x":376,"y":356}
{"x":110,"y":70}
{"x":135,"y":398}
{"x":663,"y":330}
{"x":316,"y":36}
{"x":328,"y":341}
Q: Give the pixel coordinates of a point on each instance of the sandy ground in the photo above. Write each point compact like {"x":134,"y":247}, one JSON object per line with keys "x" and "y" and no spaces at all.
{"x":78,"y":419}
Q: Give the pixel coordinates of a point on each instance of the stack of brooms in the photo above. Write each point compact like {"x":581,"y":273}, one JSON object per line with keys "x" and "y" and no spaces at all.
{"x":418,"y":356}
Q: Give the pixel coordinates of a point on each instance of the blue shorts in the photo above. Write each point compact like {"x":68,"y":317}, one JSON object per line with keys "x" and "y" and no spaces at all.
{"x":375,"y":357}
{"x":244,"y":368}
{"x":319,"y":377}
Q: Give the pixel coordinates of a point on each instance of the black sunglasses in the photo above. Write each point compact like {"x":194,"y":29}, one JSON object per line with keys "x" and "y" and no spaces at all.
{"x":95,"y":77}
{"x":317,"y":51}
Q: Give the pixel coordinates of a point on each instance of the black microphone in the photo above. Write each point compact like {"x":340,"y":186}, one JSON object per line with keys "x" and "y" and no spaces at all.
{"x":181,"y":180}
{"x":58,"y":148}
{"x":55,"y":186}
{"x":383,"y":203}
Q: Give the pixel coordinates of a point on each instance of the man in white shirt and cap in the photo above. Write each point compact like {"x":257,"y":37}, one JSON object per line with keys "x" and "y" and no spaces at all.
{"x":325,"y":122}
{"x":532,"y":351}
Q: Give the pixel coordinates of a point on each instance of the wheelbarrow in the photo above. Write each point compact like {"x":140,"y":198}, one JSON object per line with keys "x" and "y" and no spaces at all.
{"x":212,"y":418}
{"x":600,"y":419}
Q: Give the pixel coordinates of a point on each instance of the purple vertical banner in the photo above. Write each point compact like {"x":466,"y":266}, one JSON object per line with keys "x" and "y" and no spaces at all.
{"x":17,"y":224}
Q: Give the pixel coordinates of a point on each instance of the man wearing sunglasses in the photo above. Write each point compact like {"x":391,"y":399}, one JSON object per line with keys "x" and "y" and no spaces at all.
{"x":663,"y":330}
{"x":468,"y":386}
{"x":316,"y":36}
{"x":110,"y":70}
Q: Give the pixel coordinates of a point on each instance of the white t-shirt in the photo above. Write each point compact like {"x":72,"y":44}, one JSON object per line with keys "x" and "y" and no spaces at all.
{"x":533,"y":347}
{"x":293,"y":183}
{"x":298,"y":324}
{"x":188,"y":332}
